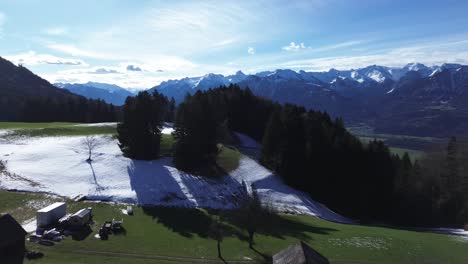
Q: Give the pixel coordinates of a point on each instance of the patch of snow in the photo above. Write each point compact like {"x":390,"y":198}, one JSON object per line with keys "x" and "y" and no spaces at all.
{"x":97,"y":124}
{"x":372,"y":243}
{"x":58,"y":165}
{"x":450,"y":231}
{"x":391,"y":91}
{"x":435,"y":72}
{"x":167,"y":130}
{"x":4,"y":132}
{"x":30,"y":225}
{"x":376,"y":76}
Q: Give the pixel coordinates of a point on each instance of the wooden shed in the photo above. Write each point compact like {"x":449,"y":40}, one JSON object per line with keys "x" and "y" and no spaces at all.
{"x":12,"y":238}
{"x":299,"y":253}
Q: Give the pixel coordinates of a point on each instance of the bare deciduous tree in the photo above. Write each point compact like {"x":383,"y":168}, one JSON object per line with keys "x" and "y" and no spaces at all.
{"x":90,"y":143}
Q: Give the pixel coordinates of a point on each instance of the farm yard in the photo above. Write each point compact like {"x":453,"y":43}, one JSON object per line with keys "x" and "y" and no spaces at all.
{"x":173,"y":220}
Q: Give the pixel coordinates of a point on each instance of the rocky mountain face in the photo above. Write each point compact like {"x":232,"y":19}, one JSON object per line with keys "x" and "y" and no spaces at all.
{"x":414,"y":100}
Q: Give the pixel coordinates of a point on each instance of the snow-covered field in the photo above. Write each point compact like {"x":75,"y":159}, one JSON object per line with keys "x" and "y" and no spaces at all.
{"x":58,"y":165}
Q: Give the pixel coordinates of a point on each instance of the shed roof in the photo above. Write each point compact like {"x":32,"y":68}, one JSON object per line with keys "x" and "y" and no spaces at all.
{"x":82,"y":213}
{"x":299,"y":253}
{"x":10,"y":230}
{"x":51,"y":207}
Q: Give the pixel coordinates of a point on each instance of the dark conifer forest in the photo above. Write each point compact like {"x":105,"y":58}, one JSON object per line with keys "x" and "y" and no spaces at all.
{"x":26,"y":97}
{"x":311,"y":152}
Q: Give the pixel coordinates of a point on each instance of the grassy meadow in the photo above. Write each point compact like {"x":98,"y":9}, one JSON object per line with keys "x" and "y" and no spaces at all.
{"x":179,"y":235}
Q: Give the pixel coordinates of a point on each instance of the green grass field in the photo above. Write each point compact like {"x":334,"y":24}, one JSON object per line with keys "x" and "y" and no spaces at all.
{"x":175,"y":235}
{"x":56,"y":129}
{"x":228,"y":158}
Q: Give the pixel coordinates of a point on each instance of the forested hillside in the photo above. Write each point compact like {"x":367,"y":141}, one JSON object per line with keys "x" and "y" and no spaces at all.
{"x":26,"y":97}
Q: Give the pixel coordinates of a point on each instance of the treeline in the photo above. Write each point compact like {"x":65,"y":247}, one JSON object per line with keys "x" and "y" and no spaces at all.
{"x":139,"y":133}
{"x":434,"y":191}
{"x":72,"y":109}
{"x":317,"y":155}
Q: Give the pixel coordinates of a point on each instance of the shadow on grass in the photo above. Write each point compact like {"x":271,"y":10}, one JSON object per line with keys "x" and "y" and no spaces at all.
{"x":190,"y":222}
{"x":82,"y":233}
{"x":120,"y":232}
{"x":263,"y":258}
{"x":186,"y":222}
{"x":276,"y":226}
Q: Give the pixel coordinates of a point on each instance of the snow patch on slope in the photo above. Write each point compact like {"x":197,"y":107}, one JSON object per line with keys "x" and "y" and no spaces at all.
{"x":58,"y":165}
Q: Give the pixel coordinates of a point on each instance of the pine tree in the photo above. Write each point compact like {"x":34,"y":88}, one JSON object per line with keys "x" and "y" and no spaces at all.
{"x":270,"y":153}
{"x":195,"y":132}
{"x":139,"y":134}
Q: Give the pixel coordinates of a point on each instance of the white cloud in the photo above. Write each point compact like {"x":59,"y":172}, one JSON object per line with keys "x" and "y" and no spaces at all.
{"x":103,"y":71}
{"x":133,"y":68}
{"x":32,"y":58}
{"x":251,"y":50}
{"x":294,"y":47}
{"x":338,"y":45}
{"x":225,"y":42}
{"x":74,"y":51}
{"x":426,"y":54}
{"x":56,"y":31}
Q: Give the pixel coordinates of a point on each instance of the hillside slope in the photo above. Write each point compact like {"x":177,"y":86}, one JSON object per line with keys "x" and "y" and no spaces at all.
{"x":18,"y":84}
{"x":25,"y":96}
{"x":58,"y":165}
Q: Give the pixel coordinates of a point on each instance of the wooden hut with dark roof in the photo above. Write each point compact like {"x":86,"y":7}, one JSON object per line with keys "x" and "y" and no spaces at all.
{"x":12,"y":238}
{"x":299,"y":253}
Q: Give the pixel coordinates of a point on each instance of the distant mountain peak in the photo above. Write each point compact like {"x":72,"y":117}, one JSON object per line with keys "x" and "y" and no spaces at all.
{"x":110,"y":93}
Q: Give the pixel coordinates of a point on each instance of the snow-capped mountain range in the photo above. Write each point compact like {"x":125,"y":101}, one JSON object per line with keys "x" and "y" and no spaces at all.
{"x":333,"y":79}
{"x":414,"y":99}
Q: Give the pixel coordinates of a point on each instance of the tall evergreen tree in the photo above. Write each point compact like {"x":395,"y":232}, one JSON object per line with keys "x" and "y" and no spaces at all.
{"x":270,"y":153}
{"x":139,"y":133}
{"x":195,"y":132}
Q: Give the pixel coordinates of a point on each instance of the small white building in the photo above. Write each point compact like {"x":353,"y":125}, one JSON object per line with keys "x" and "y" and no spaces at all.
{"x":50,"y":214}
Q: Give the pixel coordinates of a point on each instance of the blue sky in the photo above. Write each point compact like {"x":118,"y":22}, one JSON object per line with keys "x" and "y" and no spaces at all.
{"x":138,"y":44}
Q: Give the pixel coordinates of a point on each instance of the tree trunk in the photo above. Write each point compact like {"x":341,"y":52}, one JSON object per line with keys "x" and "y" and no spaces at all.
{"x":219,"y":249}
{"x":251,"y":238}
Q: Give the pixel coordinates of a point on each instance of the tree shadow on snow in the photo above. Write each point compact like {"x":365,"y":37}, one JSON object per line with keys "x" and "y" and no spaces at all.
{"x":98,"y":186}
{"x":275,"y":184}
{"x":154,"y":184}
{"x":217,"y":193}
